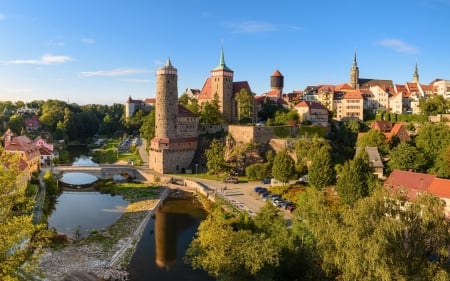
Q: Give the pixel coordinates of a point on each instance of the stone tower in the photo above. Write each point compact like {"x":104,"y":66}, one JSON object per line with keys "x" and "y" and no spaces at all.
{"x":176,"y":128}
{"x":222,"y":84}
{"x":354,"y":74}
{"x":277,"y":81}
{"x":416,"y":75}
{"x":166,"y":106}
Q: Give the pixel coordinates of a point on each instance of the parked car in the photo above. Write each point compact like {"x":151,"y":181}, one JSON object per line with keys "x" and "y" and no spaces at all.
{"x":230,"y":180}
{"x":303,"y":179}
{"x":265,"y":181}
{"x":257,"y":189}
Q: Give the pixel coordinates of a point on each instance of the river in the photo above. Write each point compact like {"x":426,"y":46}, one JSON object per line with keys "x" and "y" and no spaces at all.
{"x":159,"y":254}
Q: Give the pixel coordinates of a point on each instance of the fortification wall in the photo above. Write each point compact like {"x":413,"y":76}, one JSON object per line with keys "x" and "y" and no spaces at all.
{"x":257,"y":134}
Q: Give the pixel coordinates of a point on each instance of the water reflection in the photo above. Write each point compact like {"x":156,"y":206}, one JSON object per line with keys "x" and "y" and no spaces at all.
{"x":76,"y":178}
{"x":84,"y":161}
{"x":76,"y":214}
{"x":159,"y":253}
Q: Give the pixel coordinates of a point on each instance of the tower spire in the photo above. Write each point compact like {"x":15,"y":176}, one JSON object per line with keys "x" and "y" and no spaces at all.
{"x":168,"y":62}
{"x":222,"y":65}
{"x":416,"y":74}
{"x":354,"y":73}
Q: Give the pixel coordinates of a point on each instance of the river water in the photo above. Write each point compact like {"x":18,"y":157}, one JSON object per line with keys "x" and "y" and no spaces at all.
{"x":159,"y":253}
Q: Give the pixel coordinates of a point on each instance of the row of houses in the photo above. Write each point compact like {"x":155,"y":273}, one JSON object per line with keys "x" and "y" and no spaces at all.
{"x":33,"y":154}
{"x":347,"y":101}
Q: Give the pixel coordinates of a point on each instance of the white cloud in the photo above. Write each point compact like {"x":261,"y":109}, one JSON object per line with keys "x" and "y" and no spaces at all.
{"x":114,"y":72}
{"x":89,"y":41}
{"x":44,"y":60}
{"x":399,"y":46}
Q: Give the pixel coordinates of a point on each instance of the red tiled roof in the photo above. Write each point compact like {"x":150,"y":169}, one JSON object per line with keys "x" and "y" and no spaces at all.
{"x":206,"y":92}
{"x":239,"y":85}
{"x":273,"y":93}
{"x":184,"y":112}
{"x":382,"y":125}
{"x":277,"y":73}
{"x":352,"y":94}
{"x":440,"y":187}
{"x":344,"y":86}
{"x":150,"y":101}
{"x":399,"y":131}
{"x":411,"y":182}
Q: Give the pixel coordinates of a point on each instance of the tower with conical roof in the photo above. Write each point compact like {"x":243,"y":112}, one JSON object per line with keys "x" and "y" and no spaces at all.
{"x":416,"y":75}
{"x":166,"y":105}
{"x":277,"y":81}
{"x":173,"y":147}
{"x":222,"y":85}
{"x":354,"y":74}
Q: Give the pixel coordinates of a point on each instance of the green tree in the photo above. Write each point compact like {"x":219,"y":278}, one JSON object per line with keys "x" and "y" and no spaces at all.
{"x":268,"y":110}
{"x":16,"y":227}
{"x":377,"y":239}
{"x":16,"y":123}
{"x":52,"y":111}
{"x":210,"y":113}
{"x":433,"y":139}
{"x":353,"y":181}
{"x":374,"y":138}
{"x":147,"y":129}
{"x":407,"y":157}
{"x":434,"y":105}
{"x":245,"y":105}
{"x":321,"y":173}
{"x":258,"y":171}
{"x":230,"y":254}
{"x":283,"y":166}
{"x":215,"y":155}
{"x":51,"y":186}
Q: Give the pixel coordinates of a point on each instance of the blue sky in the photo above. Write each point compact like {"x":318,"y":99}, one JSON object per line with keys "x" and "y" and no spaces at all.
{"x":102,"y":51}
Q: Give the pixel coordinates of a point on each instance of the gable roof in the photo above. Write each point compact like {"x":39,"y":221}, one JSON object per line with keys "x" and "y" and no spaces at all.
{"x":367,"y":82}
{"x":399,"y":131}
{"x":440,"y":187}
{"x":381,"y":125}
{"x":184,"y":112}
{"x":352,"y":94}
{"x":412,"y":182}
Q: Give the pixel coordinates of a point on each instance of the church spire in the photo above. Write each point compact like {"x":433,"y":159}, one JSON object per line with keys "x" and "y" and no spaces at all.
{"x":354,"y":74}
{"x":222,"y":65}
{"x":416,"y":75}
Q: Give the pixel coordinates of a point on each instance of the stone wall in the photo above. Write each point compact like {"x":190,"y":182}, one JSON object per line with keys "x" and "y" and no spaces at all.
{"x":257,"y":134}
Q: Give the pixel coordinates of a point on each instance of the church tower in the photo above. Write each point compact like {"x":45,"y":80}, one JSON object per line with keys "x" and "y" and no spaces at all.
{"x":166,"y":105}
{"x":222,"y":84}
{"x":416,"y":75}
{"x":354,"y":74}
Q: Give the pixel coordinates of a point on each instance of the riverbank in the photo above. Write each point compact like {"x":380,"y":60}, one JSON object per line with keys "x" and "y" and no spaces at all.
{"x":104,"y":253}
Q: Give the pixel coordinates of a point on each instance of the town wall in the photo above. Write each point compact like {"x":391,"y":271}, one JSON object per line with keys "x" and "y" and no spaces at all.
{"x":257,"y":134}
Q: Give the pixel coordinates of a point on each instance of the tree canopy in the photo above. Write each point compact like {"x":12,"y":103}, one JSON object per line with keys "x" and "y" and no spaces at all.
{"x":283,"y":166}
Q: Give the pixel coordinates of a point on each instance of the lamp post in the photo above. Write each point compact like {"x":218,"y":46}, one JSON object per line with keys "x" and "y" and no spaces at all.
{"x":196,"y":168}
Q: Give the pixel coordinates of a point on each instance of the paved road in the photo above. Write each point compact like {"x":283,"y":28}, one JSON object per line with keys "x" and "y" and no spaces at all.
{"x":241,"y":194}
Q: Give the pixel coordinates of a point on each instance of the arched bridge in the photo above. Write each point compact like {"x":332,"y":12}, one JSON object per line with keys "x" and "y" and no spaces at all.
{"x":102,"y":171}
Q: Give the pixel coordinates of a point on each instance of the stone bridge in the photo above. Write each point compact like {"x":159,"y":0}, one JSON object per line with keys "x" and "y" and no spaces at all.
{"x":102,"y":171}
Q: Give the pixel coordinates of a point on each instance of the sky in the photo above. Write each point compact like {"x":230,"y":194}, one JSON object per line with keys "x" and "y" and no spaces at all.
{"x":104,"y":51}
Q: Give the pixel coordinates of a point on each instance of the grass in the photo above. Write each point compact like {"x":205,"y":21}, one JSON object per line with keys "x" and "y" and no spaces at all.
{"x":207,"y":176}
{"x":130,"y":190}
{"x":110,"y":154}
